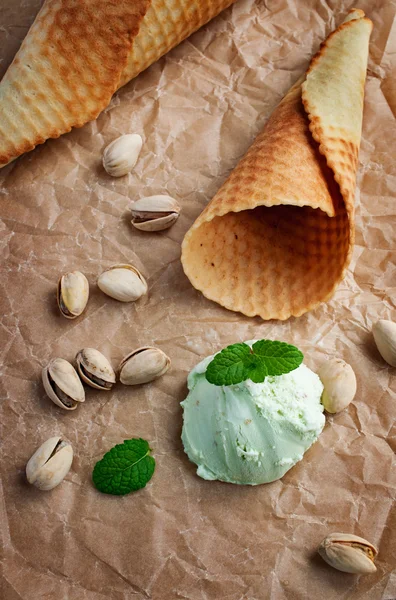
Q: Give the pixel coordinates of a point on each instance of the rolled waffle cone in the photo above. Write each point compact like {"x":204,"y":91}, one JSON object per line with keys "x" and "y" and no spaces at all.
{"x":166,"y":24}
{"x":78,"y":53}
{"x":277,"y":238}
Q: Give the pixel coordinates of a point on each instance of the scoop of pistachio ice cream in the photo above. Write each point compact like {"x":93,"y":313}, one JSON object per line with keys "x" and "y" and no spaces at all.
{"x":251,"y":433}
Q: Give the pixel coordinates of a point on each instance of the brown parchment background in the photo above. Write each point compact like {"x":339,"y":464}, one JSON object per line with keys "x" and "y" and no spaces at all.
{"x":198,"y":109}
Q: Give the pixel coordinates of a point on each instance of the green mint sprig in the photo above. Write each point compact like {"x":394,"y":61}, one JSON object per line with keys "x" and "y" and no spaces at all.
{"x":125,"y":468}
{"x":239,"y":362}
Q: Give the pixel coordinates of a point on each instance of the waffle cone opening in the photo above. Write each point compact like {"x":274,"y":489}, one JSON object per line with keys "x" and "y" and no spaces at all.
{"x":274,"y":262}
{"x":277,"y":238}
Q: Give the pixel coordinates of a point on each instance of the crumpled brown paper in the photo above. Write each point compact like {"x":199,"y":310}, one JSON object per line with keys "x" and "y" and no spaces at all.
{"x":198,"y":109}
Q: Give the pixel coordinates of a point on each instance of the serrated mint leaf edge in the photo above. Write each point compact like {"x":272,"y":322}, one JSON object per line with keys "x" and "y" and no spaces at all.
{"x":286,"y":356}
{"x":218,"y":370}
{"x":99,"y":480}
{"x":290,"y":359}
{"x":126,"y":487}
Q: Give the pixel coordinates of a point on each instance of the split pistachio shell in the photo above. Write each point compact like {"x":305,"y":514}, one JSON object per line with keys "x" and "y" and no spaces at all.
{"x":339,"y":383}
{"x":73,"y":293}
{"x":143,"y":365}
{"x":50,"y":464}
{"x":94,"y":369}
{"x":155,"y":213}
{"x":349,"y":553}
{"x":385,"y":338}
{"x":121,"y":155}
{"x":62,"y":384}
{"x":123,"y":282}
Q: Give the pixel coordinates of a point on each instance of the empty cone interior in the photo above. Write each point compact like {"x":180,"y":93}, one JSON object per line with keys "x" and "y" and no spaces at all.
{"x":274,"y":259}
{"x":274,"y":262}
{"x":277,"y":238}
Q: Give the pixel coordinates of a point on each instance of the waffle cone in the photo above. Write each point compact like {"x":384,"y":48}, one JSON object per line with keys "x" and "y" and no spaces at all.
{"x":166,"y":24}
{"x":277,"y":238}
{"x":78,"y":53}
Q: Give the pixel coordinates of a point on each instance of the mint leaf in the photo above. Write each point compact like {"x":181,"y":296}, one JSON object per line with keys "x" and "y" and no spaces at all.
{"x":125,"y":468}
{"x":229,"y":366}
{"x":256,"y":369}
{"x":239,"y":362}
{"x":279,"y":357}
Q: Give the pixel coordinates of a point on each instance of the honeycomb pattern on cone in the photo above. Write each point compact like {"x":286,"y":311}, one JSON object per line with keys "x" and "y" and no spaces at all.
{"x":333,"y":96}
{"x":166,"y":24}
{"x":66,"y":70}
{"x":272,"y":262}
{"x":77,"y":54}
{"x":253,"y":253}
{"x":276,"y":239}
{"x":283,"y":166}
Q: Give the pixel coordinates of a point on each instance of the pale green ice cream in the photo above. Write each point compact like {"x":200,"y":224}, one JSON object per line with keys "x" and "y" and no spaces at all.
{"x":251,"y":433}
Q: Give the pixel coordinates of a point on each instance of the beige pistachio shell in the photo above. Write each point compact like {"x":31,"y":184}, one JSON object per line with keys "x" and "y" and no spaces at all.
{"x":123,"y":282}
{"x":143,"y":365}
{"x":73,"y":294}
{"x":384,"y":333}
{"x":349,"y":553}
{"x":50,"y":464}
{"x":62,"y":384}
{"x":339,"y":383}
{"x":94,"y":369}
{"x":121,"y":155}
{"x":155,"y":213}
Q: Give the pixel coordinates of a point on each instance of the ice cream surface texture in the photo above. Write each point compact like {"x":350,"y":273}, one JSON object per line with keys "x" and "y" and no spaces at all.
{"x":251,"y":433}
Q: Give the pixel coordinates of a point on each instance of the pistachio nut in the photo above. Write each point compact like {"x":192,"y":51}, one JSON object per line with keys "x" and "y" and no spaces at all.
{"x":143,"y":365}
{"x":94,"y":369}
{"x":349,"y":553}
{"x":123,"y":283}
{"x":72,"y":295}
{"x":62,"y":384}
{"x":339,"y":383}
{"x":384,"y":333}
{"x":50,"y":464}
{"x":155,"y":213}
{"x":121,"y":155}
